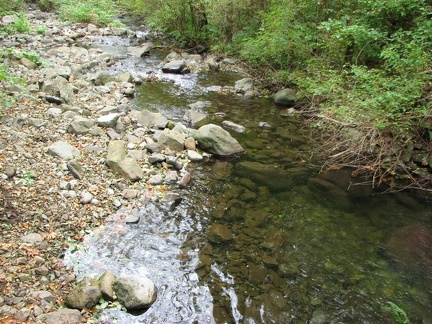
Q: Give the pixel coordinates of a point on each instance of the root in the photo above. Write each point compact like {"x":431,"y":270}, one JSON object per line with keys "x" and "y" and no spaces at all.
{"x":376,"y":155}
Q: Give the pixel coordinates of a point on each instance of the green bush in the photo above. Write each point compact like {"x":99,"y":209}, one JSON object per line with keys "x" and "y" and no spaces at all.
{"x":100,"y":12}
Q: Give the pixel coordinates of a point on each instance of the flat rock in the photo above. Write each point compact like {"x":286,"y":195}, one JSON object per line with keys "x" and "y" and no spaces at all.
{"x":63,"y":150}
{"x":71,"y":316}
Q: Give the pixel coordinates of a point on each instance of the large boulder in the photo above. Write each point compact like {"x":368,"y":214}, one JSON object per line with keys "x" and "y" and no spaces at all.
{"x":85,"y":295}
{"x":120,"y":163}
{"x":135,"y":292}
{"x":285,"y":98}
{"x":273,"y":177}
{"x":214,"y":139}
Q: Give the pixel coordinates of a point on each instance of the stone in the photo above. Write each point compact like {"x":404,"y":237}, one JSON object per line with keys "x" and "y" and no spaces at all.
{"x":130,"y":193}
{"x":86,"y":197}
{"x":70,"y":316}
{"x":76,"y":169}
{"x":233,"y":126}
{"x":121,"y":164}
{"x":135,"y":292}
{"x":185,"y":180}
{"x":42,"y":295}
{"x":156,"y":158}
{"x":32,"y":238}
{"x":23,"y":314}
{"x":193,"y":117}
{"x":80,"y":125}
{"x":244,"y":85}
{"x":54,"y":113}
{"x":109,"y":120}
{"x":170,"y":177}
{"x":190,"y":144}
{"x":219,"y":233}
{"x":59,"y":87}
{"x":172,"y":139}
{"x":85,"y":295}
{"x":285,"y":98}
{"x":176,"y":67}
{"x":271,"y":176}
{"x":155,"y":180}
{"x":63,"y":150}
{"x":194,"y":156}
{"x":214,"y":139}
{"x":410,"y":246}
{"x":42,"y":270}
{"x":10,"y":172}
{"x":147,"y":118}
{"x":106,"y":282}
{"x":103,"y":77}
{"x":28,"y":64}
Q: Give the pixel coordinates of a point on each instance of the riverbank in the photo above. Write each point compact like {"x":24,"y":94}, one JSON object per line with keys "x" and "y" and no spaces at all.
{"x":66,"y":127}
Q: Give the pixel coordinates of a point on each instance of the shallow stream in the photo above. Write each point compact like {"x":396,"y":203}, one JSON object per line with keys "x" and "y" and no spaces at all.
{"x":299,"y":253}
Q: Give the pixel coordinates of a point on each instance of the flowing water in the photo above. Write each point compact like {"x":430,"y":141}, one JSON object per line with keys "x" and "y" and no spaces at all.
{"x":302,"y":252}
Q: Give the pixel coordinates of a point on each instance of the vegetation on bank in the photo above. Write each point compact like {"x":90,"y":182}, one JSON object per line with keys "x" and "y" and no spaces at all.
{"x":363,"y":67}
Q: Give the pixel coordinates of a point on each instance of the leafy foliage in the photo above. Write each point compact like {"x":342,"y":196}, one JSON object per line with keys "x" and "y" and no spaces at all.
{"x":88,"y":11}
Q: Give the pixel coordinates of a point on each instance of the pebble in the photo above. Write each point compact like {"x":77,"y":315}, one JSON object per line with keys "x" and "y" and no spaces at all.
{"x":86,"y":197}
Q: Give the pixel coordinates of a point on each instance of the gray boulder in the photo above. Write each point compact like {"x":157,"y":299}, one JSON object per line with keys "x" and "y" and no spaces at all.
{"x":172,"y":139}
{"x":273,"y":177}
{"x":63,"y":150}
{"x":59,"y":87}
{"x":194,"y":117}
{"x":147,"y":118}
{"x":106,"y":282}
{"x":120,"y":163}
{"x":135,"y":292}
{"x":103,"y":77}
{"x":244,"y":85}
{"x":176,"y":66}
{"x":80,"y":125}
{"x":109,"y":120}
{"x":285,"y":98}
{"x":85,"y":295}
{"x":216,"y":140}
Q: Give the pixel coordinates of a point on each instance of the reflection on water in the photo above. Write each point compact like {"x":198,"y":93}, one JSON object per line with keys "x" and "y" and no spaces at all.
{"x":306,"y":250}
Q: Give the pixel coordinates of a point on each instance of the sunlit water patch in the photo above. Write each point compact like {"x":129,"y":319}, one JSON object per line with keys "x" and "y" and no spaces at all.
{"x":156,"y":247}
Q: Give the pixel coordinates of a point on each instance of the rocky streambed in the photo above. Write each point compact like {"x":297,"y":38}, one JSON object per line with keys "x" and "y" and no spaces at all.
{"x":74,"y":150}
{"x":117,"y":164}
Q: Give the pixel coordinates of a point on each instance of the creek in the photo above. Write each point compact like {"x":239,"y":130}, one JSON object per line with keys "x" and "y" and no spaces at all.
{"x":299,"y":254}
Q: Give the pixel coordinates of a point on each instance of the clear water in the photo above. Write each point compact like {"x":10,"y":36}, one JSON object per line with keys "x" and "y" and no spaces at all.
{"x":299,"y":254}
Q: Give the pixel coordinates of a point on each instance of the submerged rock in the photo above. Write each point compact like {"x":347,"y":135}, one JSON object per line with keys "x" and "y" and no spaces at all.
{"x":219,"y":233}
{"x":135,"y":292}
{"x":271,"y":176}
{"x":411,"y":247}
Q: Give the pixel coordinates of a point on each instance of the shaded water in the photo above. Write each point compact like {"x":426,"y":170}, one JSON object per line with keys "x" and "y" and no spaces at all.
{"x":300,"y":253}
